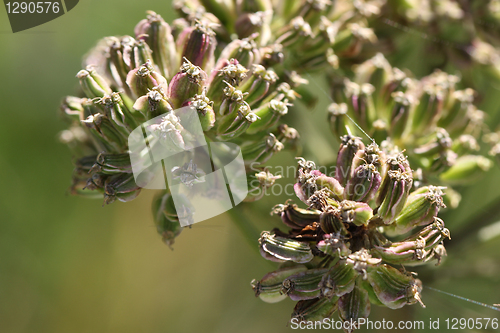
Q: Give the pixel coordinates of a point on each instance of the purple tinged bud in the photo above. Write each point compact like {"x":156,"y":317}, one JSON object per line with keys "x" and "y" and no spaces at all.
{"x":280,"y":249}
{"x":186,"y":84}
{"x":158,"y":35}
{"x":339,"y":280}
{"x":142,"y":79}
{"x":199,"y":47}
{"x":393,"y":288}
{"x":349,"y":146}
{"x":393,"y":194}
{"x":269,"y":288}
{"x":304,"y":285}
{"x":363,"y":184}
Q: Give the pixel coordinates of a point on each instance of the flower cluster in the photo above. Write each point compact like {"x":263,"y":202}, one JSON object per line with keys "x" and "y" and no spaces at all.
{"x":131,"y":80}
{"x":303,"y":35}
{"x":436,"y":124}
{"x":336,"y":254}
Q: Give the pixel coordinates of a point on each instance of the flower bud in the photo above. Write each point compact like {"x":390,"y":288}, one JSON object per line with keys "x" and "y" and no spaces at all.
{"x":249,"y":23}
{"x":280,"y":249}
{"x":364,"y":183}
{"x":269,"y":288}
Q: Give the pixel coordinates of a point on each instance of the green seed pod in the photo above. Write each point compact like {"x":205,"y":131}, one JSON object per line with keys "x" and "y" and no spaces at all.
{"x":158,"y":35}
{"x":361,"y":103}
{"x":333,"y":244}
{"x":338,"y":281}
{"x":153,"y":104}
{"x":364,"y":183}
{"x":436,"y":143}
{"x":315,"y":309}
{"x":349,"y":147}
{"x":259,"y":84}
{"x":121,"y":187}
{"x":358,"y":213}
{"x":245,"y":51}
{"x":93,"y":84}
{"x":393,"y":288}
{"x":404,"y":104}
{"x":422,"y":206}
{"x":295,"y":217}
{"x":466,"y":169}
{"x":432,"y":235}
{"x":304,"y":285}
{"x":258,"y":183}
{"x":405,"y":252}
{"x":166,"y":219}
{"x":112,"y":164}
{"x":268,"y":115}
{"x":280,"y":249}
{"x":393,"y":193}
{"x":142,"y":79}
{"x":429,"y":108}
{"x":186,"y":84}
{"x":261,"y":151}
{"x":204,"y":108}
{"x":331,"y":222}
{"x":199,"y":46}
{"x":353,"y":306}
{"x":269,"y":288}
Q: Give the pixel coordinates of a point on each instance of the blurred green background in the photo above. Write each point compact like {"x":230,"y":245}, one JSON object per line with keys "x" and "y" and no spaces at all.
{"x":70,"y":265}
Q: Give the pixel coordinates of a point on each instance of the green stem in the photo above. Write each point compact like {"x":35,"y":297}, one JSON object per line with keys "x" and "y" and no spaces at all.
{"x":250,"y":233}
